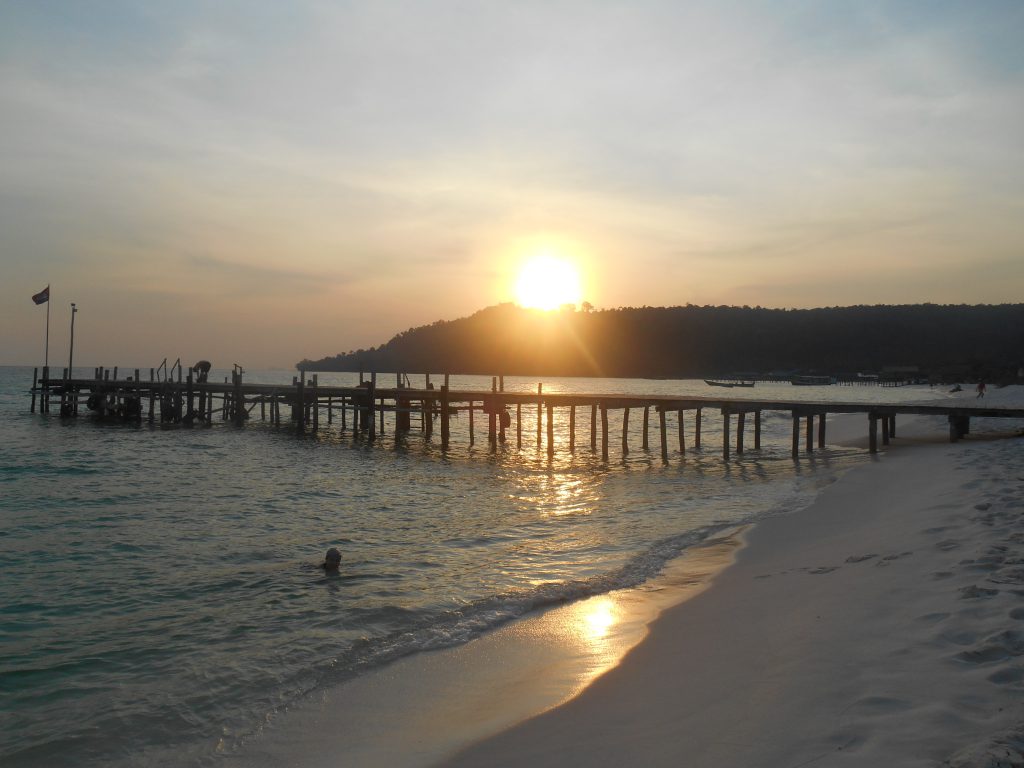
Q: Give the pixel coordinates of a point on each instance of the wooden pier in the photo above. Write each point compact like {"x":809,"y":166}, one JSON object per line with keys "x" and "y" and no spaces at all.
{"x":306,"y":405}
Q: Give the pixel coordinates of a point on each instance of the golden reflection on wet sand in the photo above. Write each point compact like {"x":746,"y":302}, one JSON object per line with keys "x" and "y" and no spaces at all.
{"x":419,"y":709}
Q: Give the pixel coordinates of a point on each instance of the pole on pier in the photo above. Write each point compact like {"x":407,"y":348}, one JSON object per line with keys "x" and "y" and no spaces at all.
{"x":445,"y":426}
{"x":35,"y":379}
{"x":604,"y":432}
{"x":472,"y":439}
{"x":757,"y":429}
{"x":873,"y":432}
{"x":664,"y":434}
{"x":551,"y":430}
{"x":725,"y":434}
{"x":892,"y":425}
{"x":696,"y":428}
{"x":821,"y":430}
{"x":189,"y":412}
{"x":741,"y":418}
{"x":519,"y":425}
{"x":796,"y":434}
{"x":680,"y":417}
{"x":572,"y":428}
{"x":593,"y":426}
{"x":370,"y":400}
{"x":625,"y":431}
{"x":300,"y":397}
{"x":885,"y":430}
{"x":647,"y":413}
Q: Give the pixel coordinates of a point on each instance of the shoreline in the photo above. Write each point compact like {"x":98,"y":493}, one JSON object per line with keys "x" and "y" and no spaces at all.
{"x":879,"y":626}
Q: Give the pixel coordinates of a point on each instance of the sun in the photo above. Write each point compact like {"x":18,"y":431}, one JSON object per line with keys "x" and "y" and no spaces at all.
{"x":548,"y":282}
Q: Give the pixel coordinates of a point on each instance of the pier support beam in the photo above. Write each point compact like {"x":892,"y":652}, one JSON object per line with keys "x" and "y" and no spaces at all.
{"x":741,"y":418}
{"x":873,"y":432}
{"x":647,"y":415}
{"x":604,"y":432}
{"x":664,"y":435}
{"x":810,"y":432}
{"x":680,"y":415}
{"x":696,"y":429}
{"x":572,"y":428}
{"x":725,"y":434}
{"x":540,"y":401}
{"x":593,"y":427}
{"x":445,"y":426}
{"x":796,"y":435}
{"x":625,"y":431}
{"x":519,"y":425}
{"x":821,"y":430}
{"x":757,"y":430}
{"x":551,"y":430}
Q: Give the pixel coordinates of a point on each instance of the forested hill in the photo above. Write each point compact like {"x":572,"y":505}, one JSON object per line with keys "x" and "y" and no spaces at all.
{"x":950,"y":341}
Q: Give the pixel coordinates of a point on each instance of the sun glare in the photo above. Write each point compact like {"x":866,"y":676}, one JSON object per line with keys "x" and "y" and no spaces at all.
{"x":546,"y":282}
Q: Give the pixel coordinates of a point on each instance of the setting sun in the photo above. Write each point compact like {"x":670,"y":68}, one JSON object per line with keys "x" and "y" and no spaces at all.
{"x":546,"y":282}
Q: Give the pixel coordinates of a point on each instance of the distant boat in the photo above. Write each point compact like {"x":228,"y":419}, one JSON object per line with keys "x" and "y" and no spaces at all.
{"x":740,"y":383}
{"x":812,"y":381}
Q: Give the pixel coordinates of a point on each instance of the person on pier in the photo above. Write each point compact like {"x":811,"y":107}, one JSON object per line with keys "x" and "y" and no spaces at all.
{"x":201,"y":370}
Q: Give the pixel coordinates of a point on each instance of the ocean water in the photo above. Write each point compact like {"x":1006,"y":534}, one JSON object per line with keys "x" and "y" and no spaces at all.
{"x":162,"y":598}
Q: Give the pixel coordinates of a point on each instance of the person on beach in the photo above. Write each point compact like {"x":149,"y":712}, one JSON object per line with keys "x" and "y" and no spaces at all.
{"x":332,"y":560}
{"x":981,"y":389}
{"x":202,"y":370}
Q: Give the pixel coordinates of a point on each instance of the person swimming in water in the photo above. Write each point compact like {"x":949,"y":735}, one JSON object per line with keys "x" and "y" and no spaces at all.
{"x":332,"y":560}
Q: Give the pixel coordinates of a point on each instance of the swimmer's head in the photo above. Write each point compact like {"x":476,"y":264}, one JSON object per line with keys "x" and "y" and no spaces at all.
{"x":332,"y":559}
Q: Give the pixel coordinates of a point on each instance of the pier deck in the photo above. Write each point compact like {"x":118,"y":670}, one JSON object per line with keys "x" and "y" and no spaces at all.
{"x":307,"y":403}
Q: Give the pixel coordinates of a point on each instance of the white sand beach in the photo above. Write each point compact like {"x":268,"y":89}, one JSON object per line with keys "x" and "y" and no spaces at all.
{"x":883,"y":626}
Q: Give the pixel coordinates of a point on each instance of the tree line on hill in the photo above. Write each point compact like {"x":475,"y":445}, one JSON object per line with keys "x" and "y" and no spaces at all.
{"x":945,"y":342}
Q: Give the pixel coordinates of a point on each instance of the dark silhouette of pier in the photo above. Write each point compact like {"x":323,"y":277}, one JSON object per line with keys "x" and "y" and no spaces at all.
{"x":183,"y":399}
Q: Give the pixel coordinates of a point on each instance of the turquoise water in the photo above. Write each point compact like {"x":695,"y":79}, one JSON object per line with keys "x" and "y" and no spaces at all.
{"x":162,"y":597}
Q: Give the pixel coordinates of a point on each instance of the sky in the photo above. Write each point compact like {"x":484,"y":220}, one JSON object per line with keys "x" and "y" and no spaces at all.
{"x":260,"y":182}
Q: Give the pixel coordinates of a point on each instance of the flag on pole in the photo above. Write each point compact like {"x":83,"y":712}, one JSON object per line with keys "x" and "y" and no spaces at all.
{"x":43,"y":296}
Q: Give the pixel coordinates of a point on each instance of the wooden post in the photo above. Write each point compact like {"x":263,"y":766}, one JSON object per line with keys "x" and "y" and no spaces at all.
{"x":741,"y":418}
{"x":551,"y":429}
{"x":445,"y":427}
{"x":492,"y":414}
{"x":757,"y":429}
{"x":664,"y":434}
{"x":696,"y":428}
{"x":316,"y":402}
{"x":892,"y":425}
{"x":572,"y":428}
{"x":519,"y":425}
{"x":35,"y":379}
{"x":501,"y":383}
{"x":821,"y":430}
{"x":370,"y":400}
{"x":682,"y":431}
{"x":239,"y":403}
{"x":647,"y":413}
{"x":300,"y":402}
{"x":472,"y":437}
{"x":810,"y":432}
{"x":873,"y":432}
{"x":725,"y":434}
{"x":796,"y":434}
{"x":330,"y":410}
{"x":191,"y":395}
{"x":593,"y":426}
{"x":540,"y":390}
{"x":604,"y":432}
{"x":625,"y":431}
{"x":885,"y":430}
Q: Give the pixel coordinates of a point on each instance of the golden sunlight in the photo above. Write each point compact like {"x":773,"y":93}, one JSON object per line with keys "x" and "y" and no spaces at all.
{"x":546,"y":282}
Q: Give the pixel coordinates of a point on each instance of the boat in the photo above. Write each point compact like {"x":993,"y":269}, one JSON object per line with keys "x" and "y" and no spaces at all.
{"x":737,"y":383}
{"x":812,"y":381}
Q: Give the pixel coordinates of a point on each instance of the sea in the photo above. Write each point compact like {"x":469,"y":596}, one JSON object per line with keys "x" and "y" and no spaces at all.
{"x":162,"y":596}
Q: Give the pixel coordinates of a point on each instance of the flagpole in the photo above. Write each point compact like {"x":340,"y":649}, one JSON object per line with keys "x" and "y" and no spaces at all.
{"x":46,"y":352}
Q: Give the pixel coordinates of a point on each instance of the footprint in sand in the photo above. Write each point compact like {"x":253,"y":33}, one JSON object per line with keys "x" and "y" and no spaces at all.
{"x":1010,"y":676}
{"x":821,"y":570}
{"x":859,"y":558}
{"x":939,"y":575}
{"x":889,"y":558}
{"x":947,"y":545}
{"x":975,"y":592}
{"x":983,"y":506}
{"x":1012,"y":576}
{"x":998,"y":647}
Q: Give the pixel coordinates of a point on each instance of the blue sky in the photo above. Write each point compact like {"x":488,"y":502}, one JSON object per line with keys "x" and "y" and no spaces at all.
{"x":263,"y":181}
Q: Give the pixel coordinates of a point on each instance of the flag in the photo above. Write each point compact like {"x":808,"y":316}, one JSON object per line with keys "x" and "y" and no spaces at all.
{"x":43,"y":296}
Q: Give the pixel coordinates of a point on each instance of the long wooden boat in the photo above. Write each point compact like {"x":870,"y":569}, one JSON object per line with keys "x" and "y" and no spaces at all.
{"x":730,"y":384}
{"x":812,"y":381}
